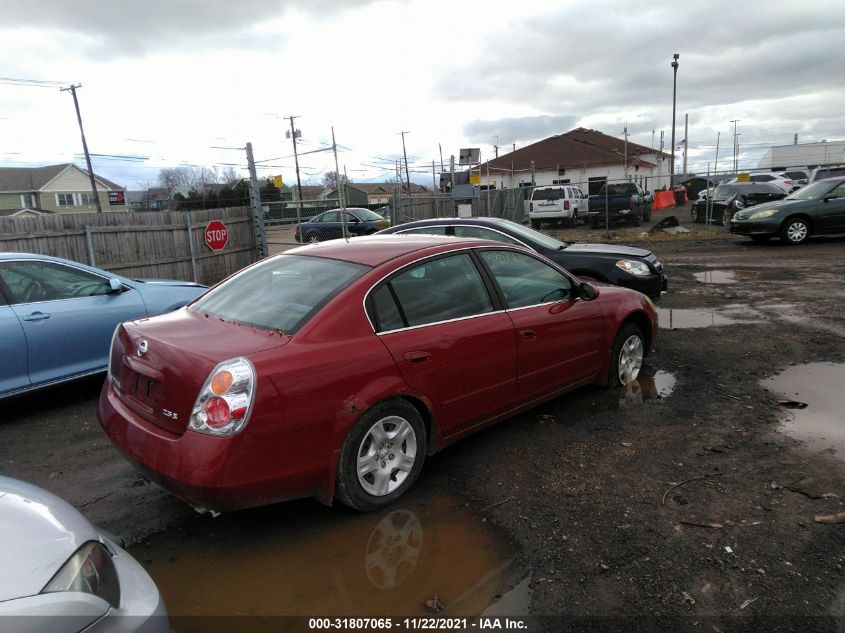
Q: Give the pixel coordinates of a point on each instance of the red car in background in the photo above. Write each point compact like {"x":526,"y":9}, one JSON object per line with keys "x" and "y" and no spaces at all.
{"x":334,"y":369}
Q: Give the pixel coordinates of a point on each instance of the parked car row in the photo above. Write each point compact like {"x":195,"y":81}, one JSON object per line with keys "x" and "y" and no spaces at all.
{"x":817,"y":209}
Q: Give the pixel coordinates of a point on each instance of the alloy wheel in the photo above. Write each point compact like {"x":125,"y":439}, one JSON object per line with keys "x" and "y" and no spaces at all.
{"x":630,"y":359}
{"x":386,"y":455}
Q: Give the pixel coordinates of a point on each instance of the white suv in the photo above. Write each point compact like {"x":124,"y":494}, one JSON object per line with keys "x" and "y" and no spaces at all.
{"x":557,"y":203}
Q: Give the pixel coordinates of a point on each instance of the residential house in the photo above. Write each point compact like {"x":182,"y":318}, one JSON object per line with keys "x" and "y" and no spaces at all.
{"x":584,"y":157}
{"x":61,"y":188}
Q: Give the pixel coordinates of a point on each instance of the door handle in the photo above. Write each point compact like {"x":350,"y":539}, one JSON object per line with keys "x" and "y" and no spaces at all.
{"x":417,"y":357}
{"x":36,"y":316}
{"x":529,"y":334}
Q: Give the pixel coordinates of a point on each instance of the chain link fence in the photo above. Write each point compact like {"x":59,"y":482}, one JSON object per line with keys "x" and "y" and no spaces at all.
{"x":597,"y":203}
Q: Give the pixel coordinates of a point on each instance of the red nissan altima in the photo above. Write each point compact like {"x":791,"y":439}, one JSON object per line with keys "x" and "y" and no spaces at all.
{"x":334,"y":369}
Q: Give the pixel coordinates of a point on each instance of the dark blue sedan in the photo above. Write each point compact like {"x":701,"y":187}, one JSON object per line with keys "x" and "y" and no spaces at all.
{"x":57,"y":317}
{"x":329,"y":225}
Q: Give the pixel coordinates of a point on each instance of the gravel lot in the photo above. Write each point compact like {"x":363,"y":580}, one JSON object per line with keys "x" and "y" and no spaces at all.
{"x":677,"y":501}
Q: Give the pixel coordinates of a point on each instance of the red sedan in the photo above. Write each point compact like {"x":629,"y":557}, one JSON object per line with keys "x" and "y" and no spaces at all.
{"x":334,"y":369}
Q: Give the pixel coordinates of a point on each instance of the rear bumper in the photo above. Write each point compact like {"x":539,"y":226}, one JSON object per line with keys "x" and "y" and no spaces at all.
{"x":221,"y":473}
{"x":551,"y":215}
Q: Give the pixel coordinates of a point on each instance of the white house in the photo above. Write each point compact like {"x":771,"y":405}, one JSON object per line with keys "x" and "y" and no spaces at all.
{"x":584,"y":157}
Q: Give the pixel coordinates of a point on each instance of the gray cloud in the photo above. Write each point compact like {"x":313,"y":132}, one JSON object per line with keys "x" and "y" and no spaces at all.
{"x":137,"y":27}
{"x":517,"y":130}
{"x":608,"y":57}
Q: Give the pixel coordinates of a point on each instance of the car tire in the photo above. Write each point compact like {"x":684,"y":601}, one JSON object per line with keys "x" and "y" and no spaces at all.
{"x":627,"y":356}
{"x":636,"y":219}
{"x":727,"y":215}
{"x":371,"y":444}
{"x":760,"y":239}
{"x":536,"y":225}
{"x":312,"y":238}
{"x":693,"y":215}
{"x":795,"y":231}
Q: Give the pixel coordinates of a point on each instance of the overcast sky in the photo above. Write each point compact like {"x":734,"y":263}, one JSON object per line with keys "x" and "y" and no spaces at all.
{"x":167,"y":81}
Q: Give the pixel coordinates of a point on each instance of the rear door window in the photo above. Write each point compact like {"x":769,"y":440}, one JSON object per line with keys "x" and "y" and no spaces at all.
{"x":436,"y":290}
{"x":483,"y":233}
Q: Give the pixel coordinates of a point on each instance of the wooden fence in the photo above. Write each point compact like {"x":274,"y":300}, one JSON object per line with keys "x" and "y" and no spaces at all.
{"x":153,"y":245}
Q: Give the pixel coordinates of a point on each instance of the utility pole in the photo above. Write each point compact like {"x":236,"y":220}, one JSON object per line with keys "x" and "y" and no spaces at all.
{"x":72,"y":88}
{"x":496,"y":146}
{"x":625,"y":131}
{"x":404,"y":153}
{"x":661,"y":148}
{"x":440,"y":147}
{"x":674,"y":92}
{"x":686,"y":142}
{"x":293,"y":134}
{"x":736,"y":144}
{"x":452,"y":179}
{"x":339,"y":192}
{"x":434,"y":191}
{"x":255,"y":203}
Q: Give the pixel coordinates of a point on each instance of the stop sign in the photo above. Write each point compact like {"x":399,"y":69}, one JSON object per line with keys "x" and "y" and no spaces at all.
{"x":216,"y":235}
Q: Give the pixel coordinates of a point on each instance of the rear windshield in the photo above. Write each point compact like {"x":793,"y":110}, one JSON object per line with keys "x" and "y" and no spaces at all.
{"x":547,"y":194}
{"x":281,"y":293}
{"x":723,"y":192}
{"x":830,"y":173}
{"x":620,"y":190}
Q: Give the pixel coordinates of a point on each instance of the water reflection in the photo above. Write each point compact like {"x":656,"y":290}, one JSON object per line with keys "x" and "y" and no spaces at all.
{"x":818,"y":386}
{"x":674,"y":318}
{"x":393,"y":549}
{"x":302,"y":559}
{"x":649,"y":386}
{"x":725,"y":276}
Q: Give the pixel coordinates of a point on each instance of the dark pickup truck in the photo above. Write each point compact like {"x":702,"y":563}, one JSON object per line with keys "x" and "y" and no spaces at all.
{"x":622,"y":203}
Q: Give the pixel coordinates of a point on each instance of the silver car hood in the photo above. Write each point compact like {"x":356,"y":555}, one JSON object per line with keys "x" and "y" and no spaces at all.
{"x":38,"y":533}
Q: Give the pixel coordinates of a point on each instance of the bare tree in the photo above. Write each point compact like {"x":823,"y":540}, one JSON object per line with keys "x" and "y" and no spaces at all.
{"x":330,"y":180}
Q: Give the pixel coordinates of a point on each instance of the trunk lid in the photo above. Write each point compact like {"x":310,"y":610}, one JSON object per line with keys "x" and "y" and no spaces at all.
{"x":158,"y":365}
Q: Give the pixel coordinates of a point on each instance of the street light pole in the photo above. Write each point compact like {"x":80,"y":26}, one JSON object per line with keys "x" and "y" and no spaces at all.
{"x":736,"y":146}
{"x":674,"y":92}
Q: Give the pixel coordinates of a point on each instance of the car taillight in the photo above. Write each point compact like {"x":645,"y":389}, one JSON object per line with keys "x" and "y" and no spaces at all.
{"x":566,"y":205}
{"x":530,"y":207}
{"x":225,"y":401}
{"x":787,"y":182}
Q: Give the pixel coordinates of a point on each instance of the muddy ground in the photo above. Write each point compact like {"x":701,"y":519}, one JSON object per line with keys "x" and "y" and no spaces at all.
{"x":577,"y":504}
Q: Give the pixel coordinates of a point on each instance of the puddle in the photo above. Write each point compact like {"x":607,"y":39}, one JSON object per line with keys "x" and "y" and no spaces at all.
{"x":301,"y":559}
{"x":676,"y":319}
{"x":649,"y":386}
{"x":725,"y":276}
{"x":818,"y":387}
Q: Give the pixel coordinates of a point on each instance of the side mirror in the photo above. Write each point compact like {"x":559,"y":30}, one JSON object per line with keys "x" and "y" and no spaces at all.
{"x":829,"y":197}
{"x":586,"y":291}
{"x":115,"y":285}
